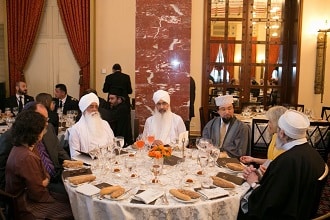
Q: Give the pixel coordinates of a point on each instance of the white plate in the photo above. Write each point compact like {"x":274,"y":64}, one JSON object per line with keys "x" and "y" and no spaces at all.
{"x":184,"y":201}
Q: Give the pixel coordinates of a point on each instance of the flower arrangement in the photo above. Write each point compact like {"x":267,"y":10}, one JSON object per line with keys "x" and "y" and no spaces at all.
{"x":160,"y":151}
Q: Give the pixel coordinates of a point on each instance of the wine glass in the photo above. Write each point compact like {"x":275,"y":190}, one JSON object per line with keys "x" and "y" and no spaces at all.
{"x":156,"y":170}
{"x":214,"y":153}
{"x":10,"y":121}
{"x":119,"y":142}
{"x":130,"y":164}
{"x":203,"y":159}
{"x":150,"y":139}
{"x":15,"y":111}
{"x":140,"y":143}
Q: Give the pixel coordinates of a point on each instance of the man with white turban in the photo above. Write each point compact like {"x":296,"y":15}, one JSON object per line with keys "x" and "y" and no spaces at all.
{"x":288,"y":188}
{"x":228,"y":133}
{"x":90,"y":131}
{"x":163,"y":124}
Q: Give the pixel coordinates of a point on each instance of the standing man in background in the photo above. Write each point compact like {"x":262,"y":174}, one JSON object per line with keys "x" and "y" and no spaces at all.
{"x":118,"y":79}
{"x":20,"y":98}
{"x":63,"y":100}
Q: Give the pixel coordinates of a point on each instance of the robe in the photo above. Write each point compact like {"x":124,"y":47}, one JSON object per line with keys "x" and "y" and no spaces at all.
{"x":288,"y":187}
{"x":237,"y":140}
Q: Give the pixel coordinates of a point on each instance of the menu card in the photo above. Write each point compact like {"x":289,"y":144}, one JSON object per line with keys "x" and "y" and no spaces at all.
{"x":214,"y":193}
{"x":231,"y":178}
{"x":88,"y":189}
{"x":171,"y":160}
{"x":149,"y":195}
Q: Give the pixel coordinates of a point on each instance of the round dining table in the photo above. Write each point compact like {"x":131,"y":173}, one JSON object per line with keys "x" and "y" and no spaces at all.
{"x":139,"y":177}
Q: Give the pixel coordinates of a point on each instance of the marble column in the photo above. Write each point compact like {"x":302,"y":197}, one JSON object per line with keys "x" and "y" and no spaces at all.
{"x":163,"y":29}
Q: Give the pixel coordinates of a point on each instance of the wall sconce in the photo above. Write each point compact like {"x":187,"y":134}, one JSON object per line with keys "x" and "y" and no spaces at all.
{"x":321,"y":50}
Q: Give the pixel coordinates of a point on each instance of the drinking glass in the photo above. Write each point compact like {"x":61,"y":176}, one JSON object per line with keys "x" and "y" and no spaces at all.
{"x":140,"y":143}
{"x":10,"y":121}
{"x":150,"y":139}
{"x":7,"y":112}
{"x":203,"y":159}
{"x":215,"y":152}
{"x":156,"y":170}
{"x":119,"y":141}
{"x":130,"y":163}
{"x":15,"y":111}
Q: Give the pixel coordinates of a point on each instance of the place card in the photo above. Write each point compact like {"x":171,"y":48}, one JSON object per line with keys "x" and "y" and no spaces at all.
{"x":88,"y":189}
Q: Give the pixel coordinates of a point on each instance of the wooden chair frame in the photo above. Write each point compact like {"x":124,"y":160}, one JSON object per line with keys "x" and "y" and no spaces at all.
{"x":259,"y":146}
{"x":325,"y":113}
{"x":320,"y":129}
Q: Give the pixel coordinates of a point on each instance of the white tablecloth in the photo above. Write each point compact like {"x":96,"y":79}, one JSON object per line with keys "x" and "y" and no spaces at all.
{"x":87,"y":207}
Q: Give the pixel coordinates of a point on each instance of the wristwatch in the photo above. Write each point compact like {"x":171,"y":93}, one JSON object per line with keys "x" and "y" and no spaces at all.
{"x":254,"y":185}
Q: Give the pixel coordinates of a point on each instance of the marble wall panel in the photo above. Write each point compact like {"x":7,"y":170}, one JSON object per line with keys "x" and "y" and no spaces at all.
{"x":163,"y":34}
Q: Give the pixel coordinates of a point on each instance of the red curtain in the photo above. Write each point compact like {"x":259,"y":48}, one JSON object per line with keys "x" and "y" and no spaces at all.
{"x":253,"y":57}
{"x":23,"y":21}
{"x":230,"y":57}
{"x":274,"y":51}
{"x":214,"y":50}
{"x":75,"y":17}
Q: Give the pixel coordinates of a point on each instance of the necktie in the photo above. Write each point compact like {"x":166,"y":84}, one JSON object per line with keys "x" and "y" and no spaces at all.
{"x":20,"y":104}
{"x":60,"y":104}
{"x":222,"y":133}
{"x":46,"y":161}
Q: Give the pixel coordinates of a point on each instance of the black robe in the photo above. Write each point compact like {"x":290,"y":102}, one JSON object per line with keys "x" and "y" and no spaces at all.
{"x":288,"y":187}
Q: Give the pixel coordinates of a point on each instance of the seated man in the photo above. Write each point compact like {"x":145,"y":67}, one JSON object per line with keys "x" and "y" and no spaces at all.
{"x":91,"y":131}
{"x":50,"y":148}
{"x":227,"y":132}
{"x":288,"y":187}
{"x":20,"y":98}
{"x":164,"y":124}
{"x":121,"y":115}
{"x":63,"y":100}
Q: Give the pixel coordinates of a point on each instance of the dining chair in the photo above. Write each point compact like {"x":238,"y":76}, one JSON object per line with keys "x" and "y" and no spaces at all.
{"x":319,"y":188}
{"x":300,"y":107}
{"x":259,"y":139}
{"x":318,"y":135}
{"x":10,"y":206}
{"x":325,"y":115}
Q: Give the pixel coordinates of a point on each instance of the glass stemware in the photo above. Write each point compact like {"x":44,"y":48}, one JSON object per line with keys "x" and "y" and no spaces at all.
{"x":119,"y":143}
{"x":156,"y":169}
{"x":15,"y":111}
{"x":150,"y":139}
{"x":214,"y":153}
{"x":202,"y":160}
{"x":140,"y":143}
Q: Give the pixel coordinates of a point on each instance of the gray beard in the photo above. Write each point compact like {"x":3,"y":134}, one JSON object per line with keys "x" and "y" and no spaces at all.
{"x":278,"y":143}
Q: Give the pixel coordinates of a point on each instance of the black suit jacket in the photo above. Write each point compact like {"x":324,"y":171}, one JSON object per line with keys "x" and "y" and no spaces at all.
{"x":70,"y":104}
{"x":11,"y":101}
{"x":56,"y":153}
{"x":120,"y":80}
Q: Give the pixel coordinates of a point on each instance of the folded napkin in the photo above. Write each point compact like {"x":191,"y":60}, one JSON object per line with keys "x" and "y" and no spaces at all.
{"x":81,"y":179}
{"x":213,"y":193}
{"x":149,"y":195}
{"x":231,"y":178}
{"x":172,"y":160}
{"x":70,"y":173}
{"x":223,"y":161}
{"x":88,"y":189}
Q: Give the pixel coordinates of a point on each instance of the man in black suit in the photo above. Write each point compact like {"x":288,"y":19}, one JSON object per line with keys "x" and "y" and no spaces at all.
{"x":63,"y":100}
{"x":51,"y":143}
{"x":118,"y":79}
{"x":20,"y":98}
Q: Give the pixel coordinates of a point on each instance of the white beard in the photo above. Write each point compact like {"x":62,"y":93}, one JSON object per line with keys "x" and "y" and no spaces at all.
{"x":162,"y":124}
{"x":94,"y":125}
{"x":278,"y":143}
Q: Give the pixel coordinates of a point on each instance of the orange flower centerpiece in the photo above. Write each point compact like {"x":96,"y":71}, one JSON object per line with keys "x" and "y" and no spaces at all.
{"x":160,"y":151}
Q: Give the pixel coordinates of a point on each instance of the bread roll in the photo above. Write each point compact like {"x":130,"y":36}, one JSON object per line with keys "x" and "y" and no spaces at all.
{"x":180,"y":195}
{"x":81,"y":179}
{"x":108,"y":190}
{"x":117,"y":193}
{"x":72,"y":163}
{"x":192,"y":194}
{"x":235,"y":166}
{"x":222,"y":182}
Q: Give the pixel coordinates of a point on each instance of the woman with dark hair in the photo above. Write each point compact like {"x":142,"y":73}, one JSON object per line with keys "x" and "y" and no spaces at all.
{"x":47,"y":100}
{"x":27,"y":177}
